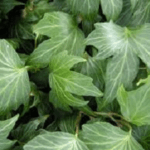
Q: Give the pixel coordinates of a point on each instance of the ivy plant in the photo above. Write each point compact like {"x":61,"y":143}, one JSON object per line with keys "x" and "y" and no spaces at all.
{"x":75,"y":75}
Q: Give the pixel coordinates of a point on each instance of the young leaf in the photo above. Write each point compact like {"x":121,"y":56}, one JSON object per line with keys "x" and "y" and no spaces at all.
{"x":64,"y":34}
{"x":87,"y":9}
{"x":112,"y":8}
{"x":5,"y":128}
{"x":56,"y":140}
{"x":62,"y":62}
{"x":101,"y":135}
{"x":135,"y":104}
{"x":64,"y":82}
{"x":14,"y":80}
{"x":76,"y":83}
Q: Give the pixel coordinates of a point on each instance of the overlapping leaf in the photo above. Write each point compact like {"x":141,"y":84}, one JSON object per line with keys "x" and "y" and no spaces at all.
{"x":101,"y":135}
{"x":95,"y":69}
{"x":7,"y":5}
{"x":5,"y":128}
{"x":56,"y":140}
{"x":135,"y":104}
{"x":68,"y":123}
{"x":141,"y":14}
{"x":14,"y":80}
{"x":133,"y":3}
{"x":135,"y":12}
{"x":124,"y":44}
{"x":64,"y":34}
{"x":64,"y":82}
{"x":112,"y":8}
{"x":142,"y":135}
{"x":126,"y":14}
{"x":87,"y":9}
{"x":25,"y":132}
{"x":36,"y":9}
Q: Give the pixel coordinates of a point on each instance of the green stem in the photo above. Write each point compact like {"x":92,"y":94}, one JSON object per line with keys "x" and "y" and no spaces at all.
{"x":78,"y":123}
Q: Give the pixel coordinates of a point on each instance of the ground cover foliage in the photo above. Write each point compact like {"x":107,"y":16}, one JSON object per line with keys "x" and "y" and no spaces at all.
{"x":75,"y":75}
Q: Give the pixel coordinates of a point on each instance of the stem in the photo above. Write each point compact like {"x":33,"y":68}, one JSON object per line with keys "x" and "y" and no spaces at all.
{"x":118,"y":122}
{"x":78,"y":123}
{"x":35,"y":41}
{"x":126,"y":124}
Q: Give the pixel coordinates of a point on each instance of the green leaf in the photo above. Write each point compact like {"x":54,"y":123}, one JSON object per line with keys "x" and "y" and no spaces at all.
{"x":68,"y":123}
{"x":54,"y":99}
{"x":112,"y":8}
{"x":64,"y":33}
{"x":63,"y":61}
{"x":64,"y":82}
{"x":141,"y":14}
{"x":125,"y":16}
{"x":77,"y":83}
{"x":142,"y":135}
{"x":7,"y":5}
{"x":14,"y":80}
{"x":56,"y":140}
{"x":133,"y":3}
{"x":95,"y":69}
{"x":21,"y":29}
{"x":87,"y":9}
{"x":7,"y":125}
{"x":111,"y":39}
{"x":101,"y":135}
{"x":35,"y":10}
{"x":25,"y":132}
{"x":5,"y":128}
{"x":62,"y":95}
{"x":124,"y":44}
{"x":135,"y":104}
{"x":121,"y":69}
{"x":40,"y":78}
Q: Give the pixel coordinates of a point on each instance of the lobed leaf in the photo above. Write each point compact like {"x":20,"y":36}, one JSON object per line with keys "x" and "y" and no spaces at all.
{"x":56,"y":140}
{"x":64,"y":33}
{"x":125,"y":45}
{"x":5,"y":128}
{"x":14,"y":80}
{"x":135,"y":104}
{"x":101,"y":135}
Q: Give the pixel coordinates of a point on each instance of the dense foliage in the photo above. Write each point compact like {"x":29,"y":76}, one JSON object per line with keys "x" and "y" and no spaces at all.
{"x":74,"y":74}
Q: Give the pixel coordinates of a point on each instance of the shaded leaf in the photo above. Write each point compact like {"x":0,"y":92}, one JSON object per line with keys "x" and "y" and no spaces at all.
{"x":87,"y":9}
{"x":142,"y":135}
{"x":25,"y":132}
{"x":7,"y":5}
